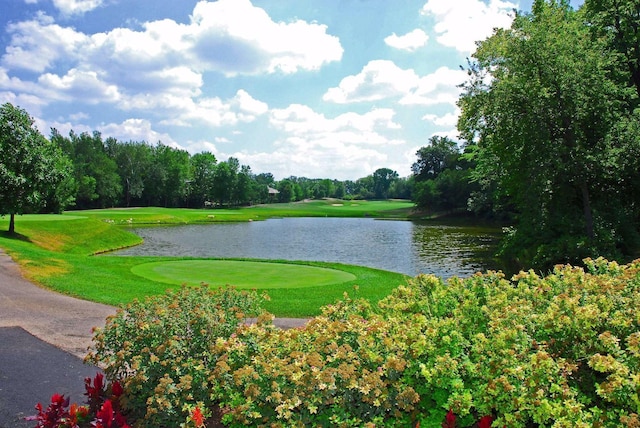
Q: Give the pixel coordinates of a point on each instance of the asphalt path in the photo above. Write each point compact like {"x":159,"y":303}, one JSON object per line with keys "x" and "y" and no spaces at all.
{"x":44,"y":337}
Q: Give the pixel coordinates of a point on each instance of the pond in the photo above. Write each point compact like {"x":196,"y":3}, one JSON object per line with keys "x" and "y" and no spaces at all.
{"x":400,"y":246}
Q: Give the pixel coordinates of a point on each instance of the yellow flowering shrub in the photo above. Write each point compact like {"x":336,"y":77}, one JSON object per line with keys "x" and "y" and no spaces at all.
{"x":561,"y":350}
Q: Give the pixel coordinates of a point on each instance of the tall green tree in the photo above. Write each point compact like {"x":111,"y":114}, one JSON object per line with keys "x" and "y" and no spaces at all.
{"x":440,"y":154}
{"x":30,"y":165}
{"x":203,"y":168}
{"x":539,"y":107}
{"x":95,"y":172}
{"x":383,"y":178}
{"x":133,"y":160}
{"x":619,"y":21}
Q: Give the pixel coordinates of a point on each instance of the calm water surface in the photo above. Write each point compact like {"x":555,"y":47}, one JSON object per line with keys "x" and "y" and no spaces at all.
{"x":400,"y":246}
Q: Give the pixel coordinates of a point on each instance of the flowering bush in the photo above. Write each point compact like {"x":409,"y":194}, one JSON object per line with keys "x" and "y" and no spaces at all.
{"x":555,"y":351}
{"x":160,"y":349}
{"x":342,"y":369}
{"x":102,"y":409}
{"x":559,"y":351}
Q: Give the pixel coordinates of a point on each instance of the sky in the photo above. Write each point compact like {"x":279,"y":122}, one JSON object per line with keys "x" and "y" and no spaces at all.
{"x":309,"y":88}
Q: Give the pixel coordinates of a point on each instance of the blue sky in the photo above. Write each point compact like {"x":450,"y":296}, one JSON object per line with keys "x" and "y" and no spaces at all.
{"x":313,"y":88}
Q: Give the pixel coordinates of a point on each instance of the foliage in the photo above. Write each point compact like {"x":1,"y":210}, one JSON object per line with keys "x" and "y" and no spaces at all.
{"x":101,"y":411}
{"x":559,"y":351}
{"x":160,"y":349}
{"x":555,"y":351}
{"x":31,"y":167}
{"x":544,"y":111}
{"x":442,"y":177}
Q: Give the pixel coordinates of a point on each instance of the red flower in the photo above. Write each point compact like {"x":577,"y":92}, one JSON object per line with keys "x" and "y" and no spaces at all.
{"x":116,"y":388}
{"x":449,"y":420}
{"x":197,"y":417}
{"x":485,"y":422}
{"x":105,"y":414}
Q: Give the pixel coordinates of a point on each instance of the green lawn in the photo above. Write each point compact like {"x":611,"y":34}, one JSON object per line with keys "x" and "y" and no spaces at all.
{"x":61,"y":255}
{"x":241,"y":273}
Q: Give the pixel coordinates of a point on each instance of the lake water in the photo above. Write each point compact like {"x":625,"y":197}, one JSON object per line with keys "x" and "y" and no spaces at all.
{"x":400,"y":246}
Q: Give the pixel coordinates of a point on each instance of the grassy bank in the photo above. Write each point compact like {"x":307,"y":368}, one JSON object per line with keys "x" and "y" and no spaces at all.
{"x":59,"y":252}
{"x":320,"y":208}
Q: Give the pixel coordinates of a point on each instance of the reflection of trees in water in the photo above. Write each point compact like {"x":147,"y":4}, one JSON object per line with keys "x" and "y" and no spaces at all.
{"x":448,"y":251}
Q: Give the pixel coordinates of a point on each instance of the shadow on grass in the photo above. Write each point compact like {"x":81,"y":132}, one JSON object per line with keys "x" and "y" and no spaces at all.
{"x":14,"y":235}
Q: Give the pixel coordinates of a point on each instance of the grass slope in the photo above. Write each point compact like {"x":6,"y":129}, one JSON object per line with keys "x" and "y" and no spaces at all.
{"x":61,"y":255}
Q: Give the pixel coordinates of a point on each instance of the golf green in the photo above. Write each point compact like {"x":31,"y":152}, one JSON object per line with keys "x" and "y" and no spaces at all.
{"x":241,"y":274}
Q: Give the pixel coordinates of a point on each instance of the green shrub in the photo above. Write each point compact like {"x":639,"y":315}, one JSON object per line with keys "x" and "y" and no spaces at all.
{"x":558,"y":351}
{"x":555,"y":351}
{"x":342,"y":369}
{"x":160,"y":349}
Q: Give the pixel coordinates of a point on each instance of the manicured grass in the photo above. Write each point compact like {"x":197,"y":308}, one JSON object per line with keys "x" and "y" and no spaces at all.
{"x":320,"y":208}
{"x":240,"y":273}
{"x":61,"y":255}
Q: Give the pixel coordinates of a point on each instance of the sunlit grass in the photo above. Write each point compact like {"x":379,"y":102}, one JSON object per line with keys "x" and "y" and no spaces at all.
{"x":61,"y":255}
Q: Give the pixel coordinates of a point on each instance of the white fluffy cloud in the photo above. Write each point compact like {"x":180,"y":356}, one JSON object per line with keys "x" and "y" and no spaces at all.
{"x":233,"y":36}
{"x":382,"y":79}
{"x":439,"y":87}
{"x":136,"y":130}
{"x":346,"y":146}
{"x":461,"y":23}
{"x":166,"y":59}
{"x":379,"y":79}
{"x":408,"y":42}
{"x":448,"y":120}
{"x":75,"y":7}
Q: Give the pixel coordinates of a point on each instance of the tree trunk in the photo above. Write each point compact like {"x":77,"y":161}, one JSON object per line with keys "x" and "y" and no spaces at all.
{"x":12,"y":223}
{"x":586,"y":206}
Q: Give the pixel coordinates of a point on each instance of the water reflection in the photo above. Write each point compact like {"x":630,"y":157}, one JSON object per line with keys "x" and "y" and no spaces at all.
{"x":400,"y":246}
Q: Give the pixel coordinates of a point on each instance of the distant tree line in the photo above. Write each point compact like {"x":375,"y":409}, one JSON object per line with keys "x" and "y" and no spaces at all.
{"x":111,"y":173}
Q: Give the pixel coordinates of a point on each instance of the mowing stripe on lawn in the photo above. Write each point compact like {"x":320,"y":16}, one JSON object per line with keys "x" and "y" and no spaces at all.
{"x":241,"y":274}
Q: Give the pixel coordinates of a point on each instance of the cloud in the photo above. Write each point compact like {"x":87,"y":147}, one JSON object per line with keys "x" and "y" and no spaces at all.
{"x":439,"y":87}
{"x":76,"y":7}
{"x":379,"y":79}
{"x":409,"y":42}
{"x":36,"y":45}
{"x":461,"y":23}
{"x":448,"y":120}
{"x":233,"y":36}
{"x":347,"y":146}
{"x":161,"y":66}
{"x":137,"y":130}
{"x":78,"y":85}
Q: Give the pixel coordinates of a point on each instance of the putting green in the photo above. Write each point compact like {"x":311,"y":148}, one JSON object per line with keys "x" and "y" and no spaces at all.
{"x":240,"y":274}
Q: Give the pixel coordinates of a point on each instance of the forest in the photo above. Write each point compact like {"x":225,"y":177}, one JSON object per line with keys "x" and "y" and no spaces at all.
{"x":549,"y":142}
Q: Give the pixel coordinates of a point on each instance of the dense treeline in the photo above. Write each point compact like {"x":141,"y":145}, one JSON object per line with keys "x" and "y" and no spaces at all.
{"x":111,"y":173}
{"x":552,"y":120}
{"x":551,"y":129}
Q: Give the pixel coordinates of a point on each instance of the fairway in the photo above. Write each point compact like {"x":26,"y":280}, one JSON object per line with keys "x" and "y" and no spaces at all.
{"x":241,"y":274}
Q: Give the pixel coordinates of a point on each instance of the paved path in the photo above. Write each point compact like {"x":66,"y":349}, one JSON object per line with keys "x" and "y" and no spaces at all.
{"x":43,"y":338}
{"x":57,"y":319}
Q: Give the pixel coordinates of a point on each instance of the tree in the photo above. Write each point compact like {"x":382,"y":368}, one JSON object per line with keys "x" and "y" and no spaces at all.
{"x":620,"y":21}
{"x":540,"y":106}
{"x":95,"y":172}
{"x":442,"y":153}
{"x":133,"y":160}
{"x":382,"y":180}
{"x":203,"y":168}
{"x":30,"y":165}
